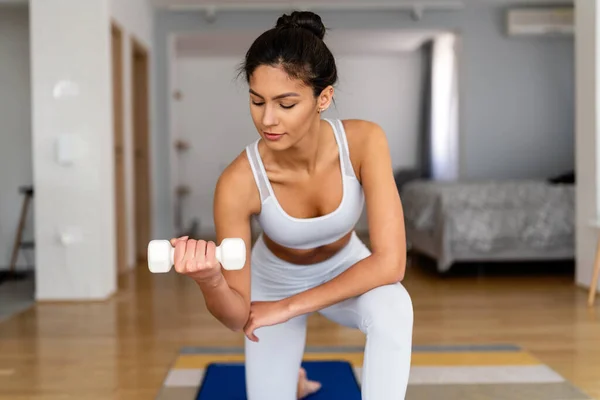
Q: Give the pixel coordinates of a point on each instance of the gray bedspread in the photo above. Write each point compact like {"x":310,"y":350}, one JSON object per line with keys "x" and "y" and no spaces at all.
{"x":487,"y":215}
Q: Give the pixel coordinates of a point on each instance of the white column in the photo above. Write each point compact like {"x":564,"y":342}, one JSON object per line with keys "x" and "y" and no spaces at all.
{"x":74,"y":191}
{"x":587,"y":16}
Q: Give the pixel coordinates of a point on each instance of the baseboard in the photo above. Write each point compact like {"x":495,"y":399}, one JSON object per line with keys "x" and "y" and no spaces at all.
{"x":18,"y":268}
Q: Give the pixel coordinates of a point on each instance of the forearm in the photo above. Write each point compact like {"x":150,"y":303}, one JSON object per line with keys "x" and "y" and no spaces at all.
{"x":367,"y":274}
{"x":224,"y":303}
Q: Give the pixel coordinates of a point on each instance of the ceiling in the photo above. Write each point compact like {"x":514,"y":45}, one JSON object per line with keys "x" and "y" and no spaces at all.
{"x":341,"y":42}
{"x":372,"y":4}
{"x":329,"y":3}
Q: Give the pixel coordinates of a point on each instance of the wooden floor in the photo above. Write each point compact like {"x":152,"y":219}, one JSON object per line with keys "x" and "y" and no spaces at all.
{"x":122,"y":348}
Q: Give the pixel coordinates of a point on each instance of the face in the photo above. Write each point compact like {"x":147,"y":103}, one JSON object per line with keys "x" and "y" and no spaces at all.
{"x":284,"y":109}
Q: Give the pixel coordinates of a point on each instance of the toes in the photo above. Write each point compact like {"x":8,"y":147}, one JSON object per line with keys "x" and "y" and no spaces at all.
{"x":311,"y":387}
{"x":302,"y":373}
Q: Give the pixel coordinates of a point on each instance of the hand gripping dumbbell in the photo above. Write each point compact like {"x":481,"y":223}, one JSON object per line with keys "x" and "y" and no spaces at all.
{"x":231,"y":254}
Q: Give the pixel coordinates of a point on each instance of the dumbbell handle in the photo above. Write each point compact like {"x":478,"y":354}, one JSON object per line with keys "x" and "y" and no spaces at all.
{"x":231,"y":254}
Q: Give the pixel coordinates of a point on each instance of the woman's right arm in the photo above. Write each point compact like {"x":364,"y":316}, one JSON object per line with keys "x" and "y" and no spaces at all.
{"x":229,"y":301}
{"x":227,"y":293}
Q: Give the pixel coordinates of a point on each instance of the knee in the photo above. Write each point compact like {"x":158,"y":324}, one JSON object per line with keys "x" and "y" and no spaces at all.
{"x":387,"y":313}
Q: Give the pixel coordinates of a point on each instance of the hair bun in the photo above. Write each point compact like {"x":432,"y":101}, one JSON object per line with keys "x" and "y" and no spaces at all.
{"x":303,"y":19}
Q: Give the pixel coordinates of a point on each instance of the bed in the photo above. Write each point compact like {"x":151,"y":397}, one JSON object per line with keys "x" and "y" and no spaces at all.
{"x":510,"y":220}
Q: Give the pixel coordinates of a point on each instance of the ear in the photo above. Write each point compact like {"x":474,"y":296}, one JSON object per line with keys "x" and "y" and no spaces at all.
{"x":324,"y":99}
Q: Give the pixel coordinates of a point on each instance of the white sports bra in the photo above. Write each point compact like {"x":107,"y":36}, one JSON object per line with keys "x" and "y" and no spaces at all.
{"x":308,"y":233}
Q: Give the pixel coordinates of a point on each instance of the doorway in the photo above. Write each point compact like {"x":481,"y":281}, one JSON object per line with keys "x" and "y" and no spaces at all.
{"x":141,"y":147}
{"x":119,"y":143}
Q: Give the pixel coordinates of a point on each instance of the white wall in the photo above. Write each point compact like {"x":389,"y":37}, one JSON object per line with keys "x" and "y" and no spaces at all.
{"x":70,"y":42}
{"x":15,"y":133}
{"x":135,"y":18}
{"x":71,"y":79}
{"x":587,"y":133}
{"x":387,"y":89}
{"x":214,"y":110}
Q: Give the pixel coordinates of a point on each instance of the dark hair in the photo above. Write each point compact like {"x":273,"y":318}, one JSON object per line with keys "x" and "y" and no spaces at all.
{"x":296,"y":44}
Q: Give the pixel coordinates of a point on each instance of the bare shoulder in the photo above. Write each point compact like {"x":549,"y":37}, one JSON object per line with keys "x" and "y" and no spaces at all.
{"x":362,"y":132}
{"x":365,"y":138}
{"x":236,"y":186}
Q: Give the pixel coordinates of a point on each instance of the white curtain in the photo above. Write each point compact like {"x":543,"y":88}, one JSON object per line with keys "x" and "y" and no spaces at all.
{"x":444,"y":109}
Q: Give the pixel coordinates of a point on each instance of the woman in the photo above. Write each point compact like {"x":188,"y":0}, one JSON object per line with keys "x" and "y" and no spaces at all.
{"x":306,"y":180}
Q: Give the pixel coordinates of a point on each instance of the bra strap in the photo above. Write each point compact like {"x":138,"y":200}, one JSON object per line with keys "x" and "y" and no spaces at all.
{"x":259,"y":177}
{"x":340,"y":133}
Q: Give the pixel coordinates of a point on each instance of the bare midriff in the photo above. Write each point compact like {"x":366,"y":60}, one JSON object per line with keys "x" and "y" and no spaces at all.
{"x":308,"y":256}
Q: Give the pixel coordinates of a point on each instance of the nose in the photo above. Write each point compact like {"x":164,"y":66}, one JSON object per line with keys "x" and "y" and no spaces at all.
{"x":269,"y":117}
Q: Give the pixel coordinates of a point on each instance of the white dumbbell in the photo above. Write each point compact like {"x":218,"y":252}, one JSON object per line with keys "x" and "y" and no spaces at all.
{"x":231,"y":254}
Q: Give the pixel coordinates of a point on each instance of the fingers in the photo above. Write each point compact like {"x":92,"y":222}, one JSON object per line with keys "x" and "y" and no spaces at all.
{"x":211,"y":254}
{"x":175,"y":240}
{"x":178,"y":257}
{"x":193,"y":256}
{"x":249,"y":332}
{"x":189,"y":260}
{"x":251,"y":325}
{"x":181,"y":255}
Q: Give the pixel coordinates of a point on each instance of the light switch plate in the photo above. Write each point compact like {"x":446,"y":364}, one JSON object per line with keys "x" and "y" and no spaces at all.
{"x":66,"y":149}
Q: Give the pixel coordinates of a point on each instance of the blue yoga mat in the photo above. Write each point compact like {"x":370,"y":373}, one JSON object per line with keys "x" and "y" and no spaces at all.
{"x":227,"y":381}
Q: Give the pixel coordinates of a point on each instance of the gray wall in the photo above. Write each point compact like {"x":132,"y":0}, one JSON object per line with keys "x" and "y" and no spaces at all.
{"x":15,"y":129}
{"x":517,"y":102}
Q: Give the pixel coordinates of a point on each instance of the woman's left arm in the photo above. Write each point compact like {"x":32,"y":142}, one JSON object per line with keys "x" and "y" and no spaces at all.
{"x":387,"y":263}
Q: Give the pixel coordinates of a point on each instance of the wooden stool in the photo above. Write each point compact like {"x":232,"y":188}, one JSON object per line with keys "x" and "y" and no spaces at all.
{"x":19,"y":243}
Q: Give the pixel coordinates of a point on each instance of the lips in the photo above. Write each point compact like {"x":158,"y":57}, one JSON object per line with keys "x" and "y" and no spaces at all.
{"x":273,"y":136}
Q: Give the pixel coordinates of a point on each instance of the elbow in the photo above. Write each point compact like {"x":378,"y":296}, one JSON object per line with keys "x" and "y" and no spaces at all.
{"x":237,"y":328}
{"x":395,"y":275}
{"x":395,"y":267}
{"x":240,"y":324}
{"x":234,"y":322}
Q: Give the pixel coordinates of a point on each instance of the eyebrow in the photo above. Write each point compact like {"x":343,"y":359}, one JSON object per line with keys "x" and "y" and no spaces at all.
{"x":281,"y":96}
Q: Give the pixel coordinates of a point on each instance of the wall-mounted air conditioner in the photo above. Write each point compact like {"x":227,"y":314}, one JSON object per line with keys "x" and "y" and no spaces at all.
{"x":551,"y":21}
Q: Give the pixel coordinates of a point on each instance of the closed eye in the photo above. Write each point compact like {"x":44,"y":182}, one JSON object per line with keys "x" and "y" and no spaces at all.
{"x":282,"y":106}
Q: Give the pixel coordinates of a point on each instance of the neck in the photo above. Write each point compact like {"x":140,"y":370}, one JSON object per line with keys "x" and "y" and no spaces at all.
{"x":304,"y":154}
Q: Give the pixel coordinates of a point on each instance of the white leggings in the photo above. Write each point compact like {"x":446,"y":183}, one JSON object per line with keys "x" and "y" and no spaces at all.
{"x":384,"y":314}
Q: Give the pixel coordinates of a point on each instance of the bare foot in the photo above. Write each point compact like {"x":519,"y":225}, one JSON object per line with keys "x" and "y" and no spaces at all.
{"x":305,"y":386}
